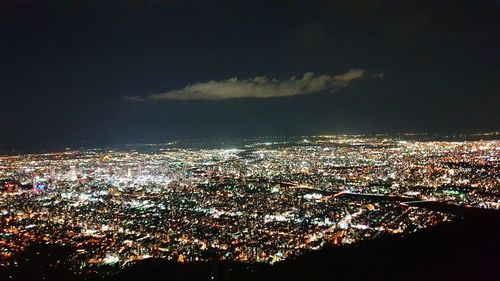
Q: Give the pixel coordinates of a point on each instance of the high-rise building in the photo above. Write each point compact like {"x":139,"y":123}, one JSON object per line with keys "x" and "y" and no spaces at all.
{"x":40,"y":184}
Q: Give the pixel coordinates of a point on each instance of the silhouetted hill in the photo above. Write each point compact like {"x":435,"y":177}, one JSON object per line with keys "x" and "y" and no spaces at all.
{"x":467,"y":249}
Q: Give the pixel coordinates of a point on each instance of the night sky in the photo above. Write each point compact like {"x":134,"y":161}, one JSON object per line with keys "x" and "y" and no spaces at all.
{"x":118,"y":72}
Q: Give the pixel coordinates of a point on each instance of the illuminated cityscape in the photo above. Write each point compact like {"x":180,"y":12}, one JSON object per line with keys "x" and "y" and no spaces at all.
{"x":249,"y":140}
{"x":266,"y":200}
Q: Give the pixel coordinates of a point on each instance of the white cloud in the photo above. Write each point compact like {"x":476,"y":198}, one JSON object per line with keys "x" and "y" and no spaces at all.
{"x":258,"y":87}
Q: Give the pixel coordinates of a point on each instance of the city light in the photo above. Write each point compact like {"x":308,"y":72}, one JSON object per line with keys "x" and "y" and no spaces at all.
{"x":264,"y":202}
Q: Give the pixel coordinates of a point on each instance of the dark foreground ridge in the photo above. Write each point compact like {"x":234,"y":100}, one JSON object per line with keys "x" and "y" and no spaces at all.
{"x":467,"y":249}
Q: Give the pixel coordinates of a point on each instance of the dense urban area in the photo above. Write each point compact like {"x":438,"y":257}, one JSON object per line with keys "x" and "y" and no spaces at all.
{"x":261,"y":200}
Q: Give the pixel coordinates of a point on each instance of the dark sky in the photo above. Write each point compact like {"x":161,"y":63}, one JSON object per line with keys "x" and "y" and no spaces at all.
{"x":67,"y":68}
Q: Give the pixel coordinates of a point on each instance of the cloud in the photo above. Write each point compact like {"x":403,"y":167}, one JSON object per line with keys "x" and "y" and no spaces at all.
{"x":258,"y":87}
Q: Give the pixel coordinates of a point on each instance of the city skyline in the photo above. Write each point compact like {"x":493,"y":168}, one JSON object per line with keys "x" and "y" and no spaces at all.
{"x":263,"y":201}
{"x":249,"y":140}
